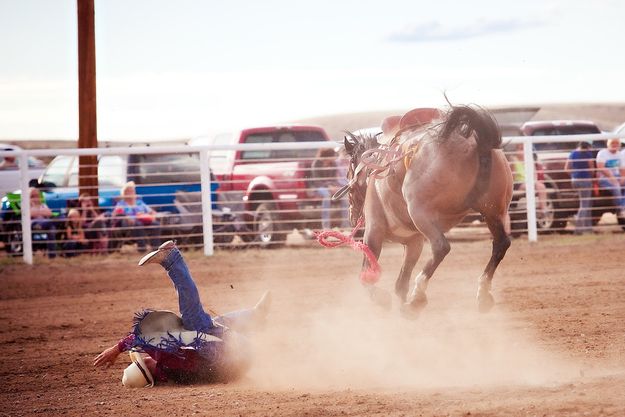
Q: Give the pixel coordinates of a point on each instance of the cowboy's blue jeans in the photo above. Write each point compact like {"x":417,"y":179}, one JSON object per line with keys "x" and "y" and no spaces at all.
{"x":193,"y":315}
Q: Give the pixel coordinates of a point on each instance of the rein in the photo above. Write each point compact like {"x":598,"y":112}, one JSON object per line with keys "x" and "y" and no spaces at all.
{"x":377,"y":163}
{"x":371,"y":275}
{"x":371,"y":161}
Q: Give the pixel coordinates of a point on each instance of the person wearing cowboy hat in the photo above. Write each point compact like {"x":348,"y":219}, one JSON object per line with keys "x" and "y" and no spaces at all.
{"x":192,"y":347}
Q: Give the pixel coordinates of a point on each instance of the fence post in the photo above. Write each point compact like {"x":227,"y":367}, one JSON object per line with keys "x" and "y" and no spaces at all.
{"x":27,"y":240}
{"x":530,"y":191}
{"x":207,"y":204}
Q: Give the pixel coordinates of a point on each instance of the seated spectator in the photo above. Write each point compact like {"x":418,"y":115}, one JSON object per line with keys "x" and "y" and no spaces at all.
{"x":75,"y":240}
{"x":94,"y":223}
{"x":136,"y":218}
{"x":611,"y":172}
{"x":41,"y":217}
{"x":326,"y":183}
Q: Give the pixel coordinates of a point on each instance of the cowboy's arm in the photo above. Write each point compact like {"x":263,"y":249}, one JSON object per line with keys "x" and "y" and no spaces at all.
{"x":109,"y":355}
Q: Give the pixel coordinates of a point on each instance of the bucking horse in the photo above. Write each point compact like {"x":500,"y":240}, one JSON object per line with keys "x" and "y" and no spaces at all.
{"x":436,"y":168}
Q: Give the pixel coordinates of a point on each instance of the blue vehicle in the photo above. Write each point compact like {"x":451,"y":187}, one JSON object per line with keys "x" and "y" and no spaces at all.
{"x":158,"y":178}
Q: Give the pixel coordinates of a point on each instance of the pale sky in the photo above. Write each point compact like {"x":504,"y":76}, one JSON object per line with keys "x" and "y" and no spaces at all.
{"x":173,"y":69}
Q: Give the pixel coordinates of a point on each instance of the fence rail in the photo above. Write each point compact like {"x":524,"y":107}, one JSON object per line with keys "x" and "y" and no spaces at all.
{"x":180,"y":188}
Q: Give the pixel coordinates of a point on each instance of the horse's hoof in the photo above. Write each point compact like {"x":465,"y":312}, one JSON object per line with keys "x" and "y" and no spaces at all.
{"x":408,"y":311}
{"x":380,"y":297}
{"x":412,"y":309}
{"x":485,"y":302}
{"x":401,"y":293}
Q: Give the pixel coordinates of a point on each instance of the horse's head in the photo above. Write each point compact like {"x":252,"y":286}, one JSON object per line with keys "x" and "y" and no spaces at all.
{"x":355,"y":145}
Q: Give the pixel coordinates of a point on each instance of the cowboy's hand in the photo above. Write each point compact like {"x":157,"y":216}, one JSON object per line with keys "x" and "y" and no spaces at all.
{"x":107,"y":358}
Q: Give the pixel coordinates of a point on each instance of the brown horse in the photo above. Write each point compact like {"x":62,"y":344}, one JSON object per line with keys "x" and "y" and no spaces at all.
{"x":424,"y":182}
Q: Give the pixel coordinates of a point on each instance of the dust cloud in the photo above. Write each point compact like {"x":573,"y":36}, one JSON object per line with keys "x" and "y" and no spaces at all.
{"x":350,"y":343}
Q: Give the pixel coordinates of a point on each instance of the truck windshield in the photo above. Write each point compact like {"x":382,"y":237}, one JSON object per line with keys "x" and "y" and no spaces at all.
{"x":283,"y":137}
{"x":57,"y":171}
{"x":111,"y":171}
{"x":562,"y":130}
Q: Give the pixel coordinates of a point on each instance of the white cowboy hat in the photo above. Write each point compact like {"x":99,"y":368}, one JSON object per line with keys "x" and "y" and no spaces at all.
{"x":137,"y":374}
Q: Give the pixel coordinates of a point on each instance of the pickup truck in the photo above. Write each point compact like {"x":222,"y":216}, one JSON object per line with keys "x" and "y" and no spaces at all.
{"x":269,"y":190}
{"x":562,"y":199}
{"x":10,"y":173}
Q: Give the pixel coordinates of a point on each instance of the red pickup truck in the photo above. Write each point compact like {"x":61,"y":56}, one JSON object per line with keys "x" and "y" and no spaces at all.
{"x":268,"y":189}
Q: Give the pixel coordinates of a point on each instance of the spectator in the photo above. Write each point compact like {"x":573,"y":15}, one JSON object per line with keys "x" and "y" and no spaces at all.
{"x":580,"y":165}
{"x":95,"y":225}
{"x":342,"y":166}
{"x":192,"y":348}
{"x":326,"y":183}
{"x":611,"y":172}
{"x":136,"y":217}
{"x":41,"y":217}
{"x":75,"y":240}
{"x":518,"y":171}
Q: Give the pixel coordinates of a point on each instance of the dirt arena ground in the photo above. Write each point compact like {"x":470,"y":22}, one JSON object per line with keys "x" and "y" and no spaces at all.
{"x":553,"y":345}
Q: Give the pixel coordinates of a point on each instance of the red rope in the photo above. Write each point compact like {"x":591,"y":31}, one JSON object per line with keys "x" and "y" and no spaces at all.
{"x":371,"y":275}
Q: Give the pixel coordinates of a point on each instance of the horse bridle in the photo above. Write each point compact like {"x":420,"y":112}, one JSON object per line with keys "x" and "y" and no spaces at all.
{"x":377,"y":162}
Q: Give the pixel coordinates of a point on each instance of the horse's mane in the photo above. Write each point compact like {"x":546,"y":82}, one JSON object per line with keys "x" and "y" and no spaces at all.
{"x":356,"y":145}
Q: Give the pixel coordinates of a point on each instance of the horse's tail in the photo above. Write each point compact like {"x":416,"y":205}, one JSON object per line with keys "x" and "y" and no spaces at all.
{"x":467,"y":121}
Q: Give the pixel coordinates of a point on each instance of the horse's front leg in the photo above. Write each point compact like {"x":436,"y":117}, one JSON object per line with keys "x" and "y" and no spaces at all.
{"x":501,"y":243}
{"x":412,"y":251}
{"x":374,"y":238}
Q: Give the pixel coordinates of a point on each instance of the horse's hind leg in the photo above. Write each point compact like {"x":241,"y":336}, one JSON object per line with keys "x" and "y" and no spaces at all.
{"x":440,"y":248}
{"x":501,"y":243}
{"x":412,"y":251}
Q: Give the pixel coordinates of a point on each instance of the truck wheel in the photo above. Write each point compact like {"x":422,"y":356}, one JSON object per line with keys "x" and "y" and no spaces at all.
{"x":621,"y":222}
{"x":268,"y":234}
{"x":15,"y":245}
{"x":549,"y":221}
{"x":546,"y":221}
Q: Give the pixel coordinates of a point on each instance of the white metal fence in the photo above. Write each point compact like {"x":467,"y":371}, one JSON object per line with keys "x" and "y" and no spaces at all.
{"x":253,"y":206}
{"x":561,"y":199}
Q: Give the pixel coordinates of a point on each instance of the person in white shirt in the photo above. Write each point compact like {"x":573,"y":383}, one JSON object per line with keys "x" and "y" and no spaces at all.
{"x":611,"y":172}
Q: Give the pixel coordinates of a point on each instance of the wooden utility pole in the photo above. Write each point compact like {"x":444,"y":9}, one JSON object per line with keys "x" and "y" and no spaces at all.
{"x":87,"y":120}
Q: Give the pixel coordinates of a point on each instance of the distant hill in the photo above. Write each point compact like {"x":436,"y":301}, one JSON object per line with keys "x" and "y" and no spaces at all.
{"x":606,"y":115}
